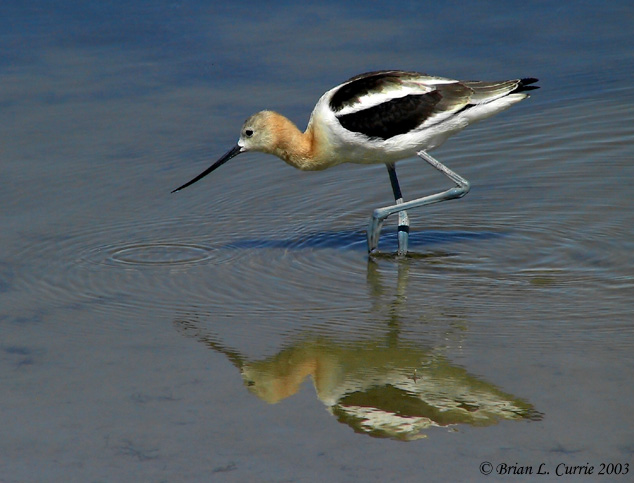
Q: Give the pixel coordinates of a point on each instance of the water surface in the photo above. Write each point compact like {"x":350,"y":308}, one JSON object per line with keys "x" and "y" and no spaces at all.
{"x":238,"y":330}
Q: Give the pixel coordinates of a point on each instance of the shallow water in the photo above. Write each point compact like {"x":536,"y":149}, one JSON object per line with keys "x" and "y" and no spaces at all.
{"x":238,"y":330}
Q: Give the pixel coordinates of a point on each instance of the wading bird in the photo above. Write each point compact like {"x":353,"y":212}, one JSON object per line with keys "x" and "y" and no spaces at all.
{"x":380,"y":117}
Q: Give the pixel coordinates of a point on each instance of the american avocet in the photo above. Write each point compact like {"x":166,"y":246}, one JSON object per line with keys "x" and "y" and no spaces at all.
{"x":380,"y":117}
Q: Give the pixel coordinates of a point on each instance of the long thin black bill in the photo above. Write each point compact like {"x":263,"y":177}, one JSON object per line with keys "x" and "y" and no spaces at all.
{"x":232,"y":153}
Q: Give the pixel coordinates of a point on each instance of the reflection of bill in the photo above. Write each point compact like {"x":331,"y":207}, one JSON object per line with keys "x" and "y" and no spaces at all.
{"x":384,"y":391}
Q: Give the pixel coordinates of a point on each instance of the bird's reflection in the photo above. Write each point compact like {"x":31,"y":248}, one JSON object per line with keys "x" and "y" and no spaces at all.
{"x":386,"y":387}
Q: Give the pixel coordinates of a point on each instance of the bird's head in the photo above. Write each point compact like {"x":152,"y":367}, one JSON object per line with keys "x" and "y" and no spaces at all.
{"x":257,"y":134}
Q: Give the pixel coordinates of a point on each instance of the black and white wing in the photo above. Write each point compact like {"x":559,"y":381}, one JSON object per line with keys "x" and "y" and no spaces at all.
{"x":385,"y":104}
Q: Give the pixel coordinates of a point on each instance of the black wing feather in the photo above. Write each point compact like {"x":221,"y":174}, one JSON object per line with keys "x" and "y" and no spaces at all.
{"x":391,"y":118}
{"x":360,"y":85}
{"x":524,"y":84}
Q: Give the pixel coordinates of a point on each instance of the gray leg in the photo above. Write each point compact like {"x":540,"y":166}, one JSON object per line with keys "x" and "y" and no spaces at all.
{"x":380,"y":214}
{"x":403,"y":219}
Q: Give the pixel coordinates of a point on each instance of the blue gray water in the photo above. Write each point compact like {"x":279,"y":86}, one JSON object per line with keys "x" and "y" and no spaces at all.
{"x":237,"y":330}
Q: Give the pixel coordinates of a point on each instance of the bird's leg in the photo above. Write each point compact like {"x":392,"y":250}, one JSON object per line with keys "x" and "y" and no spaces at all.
{"x":374,"y":230}
{"x":403,"y":219}
{"x":380,"y":214}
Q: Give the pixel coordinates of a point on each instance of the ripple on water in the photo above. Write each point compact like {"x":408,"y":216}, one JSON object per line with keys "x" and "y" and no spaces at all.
{"x":160,"y":254}
{"x":119,"y":267}
{"x":149,"y":264}
{"x":166,"y":268}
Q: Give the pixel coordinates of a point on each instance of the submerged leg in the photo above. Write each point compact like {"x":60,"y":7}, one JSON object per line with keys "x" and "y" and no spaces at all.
{"x":380,"y":214}
{"x":403,"y":219}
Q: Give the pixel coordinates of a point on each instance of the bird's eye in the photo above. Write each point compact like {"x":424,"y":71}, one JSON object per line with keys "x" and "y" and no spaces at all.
{"x":248,"y":133}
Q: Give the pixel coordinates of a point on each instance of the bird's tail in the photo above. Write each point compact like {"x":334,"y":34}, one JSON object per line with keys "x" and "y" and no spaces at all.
{"x":525,"y":85}
{"x":484,"y":91}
